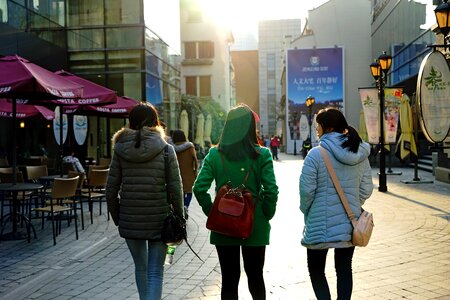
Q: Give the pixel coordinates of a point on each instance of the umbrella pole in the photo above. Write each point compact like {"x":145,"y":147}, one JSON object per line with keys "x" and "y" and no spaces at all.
{"x":61,"y":141}
{"x":14,"y":142}
{"x":98,"y":140}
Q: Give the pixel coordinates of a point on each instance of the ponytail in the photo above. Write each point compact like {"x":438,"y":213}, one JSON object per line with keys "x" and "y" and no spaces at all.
{"x":138,"y":138}
{"x":353,"y":140}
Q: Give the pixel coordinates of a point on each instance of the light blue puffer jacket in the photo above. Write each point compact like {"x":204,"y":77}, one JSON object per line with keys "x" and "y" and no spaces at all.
{"x":326,"y":223}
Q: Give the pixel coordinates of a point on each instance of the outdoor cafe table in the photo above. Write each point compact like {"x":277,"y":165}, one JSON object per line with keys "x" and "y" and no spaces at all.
{"x":14,"y":189}
{"x":48,"y":180}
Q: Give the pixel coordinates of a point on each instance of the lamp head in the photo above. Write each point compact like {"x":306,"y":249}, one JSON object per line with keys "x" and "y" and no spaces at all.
{"x":375,"y":69}
{"x":385,"y":61}
{"x":310,"y":101}
{"x":442,"y":13}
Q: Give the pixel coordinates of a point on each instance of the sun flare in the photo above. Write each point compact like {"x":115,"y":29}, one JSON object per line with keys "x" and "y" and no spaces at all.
{"x":245,"y":14}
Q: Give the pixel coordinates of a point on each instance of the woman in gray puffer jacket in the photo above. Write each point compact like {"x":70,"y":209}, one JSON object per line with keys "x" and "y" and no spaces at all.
{"x":326,"y":222}
{"x":136,"y":194}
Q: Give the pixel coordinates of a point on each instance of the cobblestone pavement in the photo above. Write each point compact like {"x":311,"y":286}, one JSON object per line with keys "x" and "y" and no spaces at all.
{"x":408,"y":256}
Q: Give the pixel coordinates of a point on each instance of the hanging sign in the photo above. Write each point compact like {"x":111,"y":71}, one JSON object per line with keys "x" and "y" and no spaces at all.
{"x":80,"y":128}
{"x":371,"y":106}
{"x":57,"y":127}
{"x":433,"y":95}
{"x":392,"y":97}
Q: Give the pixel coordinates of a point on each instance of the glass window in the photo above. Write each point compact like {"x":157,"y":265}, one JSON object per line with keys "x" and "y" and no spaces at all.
{"x":51,"y":11}
{"x":205,"y":86}
{"x":190,"y":50}
{"x":132,"y":85}
{"x":85,"y":39}
{"x":271,"y":61}
{"x":85,"y":12}
{"x":123,"y":11}
{"x":129,"y":37}
{"x":125,"y":60}
{"x":16,"y":16}
{"x":89,"y":61}
{"x":191,"y":85}
{"x":3,"y":12}
{"x":205,"y":50}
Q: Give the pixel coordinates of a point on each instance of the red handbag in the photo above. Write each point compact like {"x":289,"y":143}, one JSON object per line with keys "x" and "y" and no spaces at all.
{"x":233,"y":210}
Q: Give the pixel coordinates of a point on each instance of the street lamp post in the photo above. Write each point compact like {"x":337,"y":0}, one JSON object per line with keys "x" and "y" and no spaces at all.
{"x":309,"y":103}
{"x":442,"y":13}
{"x":294,"y":116}
{"x":379,"y":70}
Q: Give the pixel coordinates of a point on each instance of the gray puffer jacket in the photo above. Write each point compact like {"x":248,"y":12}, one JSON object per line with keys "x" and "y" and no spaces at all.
{"x":135,"y":190}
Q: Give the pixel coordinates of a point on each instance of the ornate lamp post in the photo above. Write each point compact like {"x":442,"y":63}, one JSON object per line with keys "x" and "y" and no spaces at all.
{"x":379,"y":70}
{"x":442,"y":13}
{"x":309,"y":103}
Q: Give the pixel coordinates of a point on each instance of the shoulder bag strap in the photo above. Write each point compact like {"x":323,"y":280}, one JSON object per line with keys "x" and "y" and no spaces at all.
{"x":337,"y":185}
{"x":166,"y":169}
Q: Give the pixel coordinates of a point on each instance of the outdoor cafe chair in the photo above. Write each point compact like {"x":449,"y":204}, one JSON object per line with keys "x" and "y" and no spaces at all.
{"x":60,"y":202}
{"x":79,"y":196}
{"x":95,"y":189}
{"x":34,"y":173}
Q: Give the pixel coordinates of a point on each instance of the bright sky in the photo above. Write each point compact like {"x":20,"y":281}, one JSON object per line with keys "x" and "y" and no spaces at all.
{"x":242,"y":16}
{"x":246,"y":13}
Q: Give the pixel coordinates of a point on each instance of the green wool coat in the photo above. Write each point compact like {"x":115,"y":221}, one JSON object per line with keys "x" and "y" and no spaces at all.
{"x":261,"y":183}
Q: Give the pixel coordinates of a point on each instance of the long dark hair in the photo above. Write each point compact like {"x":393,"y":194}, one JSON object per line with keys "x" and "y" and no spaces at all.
{"x":142,"y":115}
{"x":332,"y":120}
{"x":178,"y":136}
{"x":238,"y":137}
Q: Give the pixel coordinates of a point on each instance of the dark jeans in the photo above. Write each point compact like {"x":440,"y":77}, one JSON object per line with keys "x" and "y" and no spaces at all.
{"x":274,"y":152}
{"x":343,"y":265}
{"x":187,"y":199}
{"x":229,"y":258}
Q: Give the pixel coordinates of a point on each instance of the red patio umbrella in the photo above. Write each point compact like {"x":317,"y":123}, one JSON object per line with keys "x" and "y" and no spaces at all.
{"x":93,"y":94}
{"x":24,"y":111}
{"x":120,"y":109}
{"x":20,"y":78}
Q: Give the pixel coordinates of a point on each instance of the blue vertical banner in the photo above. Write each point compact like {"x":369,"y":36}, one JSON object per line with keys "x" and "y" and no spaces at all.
{"x":317,"y":72}
{"x":153,"y":87}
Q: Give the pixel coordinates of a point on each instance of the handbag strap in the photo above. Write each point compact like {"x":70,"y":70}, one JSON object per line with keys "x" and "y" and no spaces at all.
{"x":337,"y":185}
{"x":225,"y":169}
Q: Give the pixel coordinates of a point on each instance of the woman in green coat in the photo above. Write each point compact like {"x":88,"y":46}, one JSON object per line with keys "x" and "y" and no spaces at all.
{"x":240,"y":152}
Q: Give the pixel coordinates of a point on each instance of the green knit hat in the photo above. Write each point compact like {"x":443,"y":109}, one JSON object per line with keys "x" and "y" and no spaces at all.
{"x":237,"y":124}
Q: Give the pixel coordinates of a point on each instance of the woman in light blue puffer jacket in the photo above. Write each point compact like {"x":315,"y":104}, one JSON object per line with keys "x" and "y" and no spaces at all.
{"x":326,"y":222}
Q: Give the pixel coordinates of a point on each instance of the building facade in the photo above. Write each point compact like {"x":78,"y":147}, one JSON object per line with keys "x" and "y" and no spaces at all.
{"x":107,"y":42}
{"x":246,"y":78}
{"x":206,"y":67}
{"x":271,"y":38}
{"x":344,"y":24}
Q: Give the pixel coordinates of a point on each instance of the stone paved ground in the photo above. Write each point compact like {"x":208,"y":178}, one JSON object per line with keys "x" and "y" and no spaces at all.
{"x":407,"y":258}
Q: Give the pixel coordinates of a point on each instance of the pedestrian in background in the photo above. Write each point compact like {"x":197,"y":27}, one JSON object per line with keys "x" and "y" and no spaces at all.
{"x":136,"y":194}
{"x":187,"y":161}
{"x":326,"y":222}
{"x":274,"y":144}
{"x":70,"y":158}
{"x":239,"y":151}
